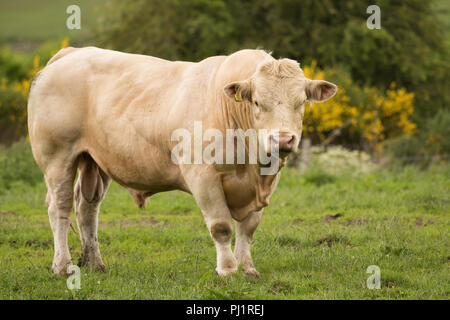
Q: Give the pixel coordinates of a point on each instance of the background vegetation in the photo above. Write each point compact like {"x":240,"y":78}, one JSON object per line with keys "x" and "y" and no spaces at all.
{"x":392,"y":81}
{"x":325,"y":224}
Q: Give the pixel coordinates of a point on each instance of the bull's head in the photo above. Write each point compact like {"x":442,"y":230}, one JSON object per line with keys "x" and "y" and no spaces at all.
{"x":277,"y":93}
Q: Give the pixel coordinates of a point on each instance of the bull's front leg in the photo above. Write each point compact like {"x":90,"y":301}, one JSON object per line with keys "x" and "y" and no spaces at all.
{"x":206,"y":187}
{"x":244,"y":236}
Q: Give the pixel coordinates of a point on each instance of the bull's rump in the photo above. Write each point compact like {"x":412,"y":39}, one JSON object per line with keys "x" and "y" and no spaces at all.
{"x":112,"y":105}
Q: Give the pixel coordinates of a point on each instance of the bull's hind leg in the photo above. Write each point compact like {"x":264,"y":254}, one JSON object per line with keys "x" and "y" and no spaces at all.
{"x":90,"y":190}
{"x":59,"y":177}
{"x":244,"y":236}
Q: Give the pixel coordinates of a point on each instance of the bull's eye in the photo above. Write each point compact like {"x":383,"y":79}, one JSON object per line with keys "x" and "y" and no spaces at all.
{"x":256,"y":102}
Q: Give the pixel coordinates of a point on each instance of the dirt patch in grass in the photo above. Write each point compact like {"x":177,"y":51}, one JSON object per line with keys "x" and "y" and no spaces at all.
{"x":31,"y":243}
{"x":395,"y":251}
{"x":141,"y":222}
{"x":421,"y":223}
{"x":287,"y":241}
{"x":329,"y":217}
{"x":357,"y":222}
{"x":144,"y":222}
{"x":7,"y":213}
{"x":280,"y":287}
{"x":330,"y":240}
{"x":38,"y":243}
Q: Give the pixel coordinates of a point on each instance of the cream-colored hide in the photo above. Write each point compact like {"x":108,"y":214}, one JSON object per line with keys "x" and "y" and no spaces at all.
{"x":110,"y":115}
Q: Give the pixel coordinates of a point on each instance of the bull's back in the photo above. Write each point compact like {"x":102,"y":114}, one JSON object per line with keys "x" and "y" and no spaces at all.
{"x":91,"y":99}
{"x":86,"y":85}
{"x":84,"y":77}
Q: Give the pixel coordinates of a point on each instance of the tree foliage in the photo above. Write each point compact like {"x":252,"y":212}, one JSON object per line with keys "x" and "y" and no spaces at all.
{"x":364,"y":116}
{"x":409,"y":49}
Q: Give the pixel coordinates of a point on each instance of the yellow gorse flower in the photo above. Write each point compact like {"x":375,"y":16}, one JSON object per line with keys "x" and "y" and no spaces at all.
{"x":14,"y":94}
{"x":378,"y":117}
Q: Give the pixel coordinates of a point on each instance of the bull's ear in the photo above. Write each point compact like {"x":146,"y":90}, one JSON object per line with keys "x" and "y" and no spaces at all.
{"x":319,"y":90}
{"x":239,"y":91}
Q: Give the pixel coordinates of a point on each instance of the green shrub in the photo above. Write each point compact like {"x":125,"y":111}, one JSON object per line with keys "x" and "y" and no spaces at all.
{"x":13,"y":65}
{"x":317,"y":176}
{"x":17,"y":165}
{"x":16,"y":72}
{"x":13,"y":106}
{"x":409,"y":49}
{"x":430,"y":144}
{"x":14,"y":82}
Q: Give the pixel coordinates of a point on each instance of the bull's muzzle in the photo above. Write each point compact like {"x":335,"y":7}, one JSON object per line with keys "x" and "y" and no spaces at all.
{"x":286,"y":142}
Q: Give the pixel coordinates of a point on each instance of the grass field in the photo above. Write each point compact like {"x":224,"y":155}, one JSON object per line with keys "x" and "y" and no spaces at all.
{"x":316,"y":240}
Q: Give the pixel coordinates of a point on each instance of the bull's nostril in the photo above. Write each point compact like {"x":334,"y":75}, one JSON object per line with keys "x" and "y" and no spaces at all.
{"x":285,"y":141}
{"x":291,"y":141}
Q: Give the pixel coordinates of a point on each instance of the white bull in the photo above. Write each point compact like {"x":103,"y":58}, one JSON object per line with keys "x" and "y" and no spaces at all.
{"x":111,"y":115}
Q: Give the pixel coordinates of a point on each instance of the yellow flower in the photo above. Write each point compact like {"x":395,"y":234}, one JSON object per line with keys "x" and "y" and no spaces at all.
{"x":377,"y":116}
{"x":65,"y":42}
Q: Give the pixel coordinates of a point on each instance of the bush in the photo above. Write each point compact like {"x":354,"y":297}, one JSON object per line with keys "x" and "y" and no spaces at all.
{"x":13,"y":106}
{"x":16,"y":73}
{"x":366,"y":116}
{"x":13,"y":65}
{"x":431,"y":144}
{"x":318,"y":177}
{"x":17,"y":165}
{"x":409,"y":49}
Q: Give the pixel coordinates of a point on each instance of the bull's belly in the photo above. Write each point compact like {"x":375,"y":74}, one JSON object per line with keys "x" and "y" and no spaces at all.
{"x":146,"y":170}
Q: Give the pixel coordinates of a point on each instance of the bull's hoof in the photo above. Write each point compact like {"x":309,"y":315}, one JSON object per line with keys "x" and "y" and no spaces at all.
{"x":225,"y":272}
{"x":252,"y":272}
{"x":97,"y":266}
{"x":61,"y":268}
{"x":92,"y":263}
{"x":94,"y":266}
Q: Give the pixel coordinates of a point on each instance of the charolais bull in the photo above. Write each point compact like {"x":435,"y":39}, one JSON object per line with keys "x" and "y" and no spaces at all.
{"x":145,"y":123}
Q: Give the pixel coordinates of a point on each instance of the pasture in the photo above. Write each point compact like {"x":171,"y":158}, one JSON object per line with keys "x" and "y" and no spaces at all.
{"x":316,"y":240}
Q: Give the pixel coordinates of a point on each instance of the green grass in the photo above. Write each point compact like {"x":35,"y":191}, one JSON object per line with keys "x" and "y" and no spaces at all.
{"x":24,"y":21}
{"x":398,"y":221}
